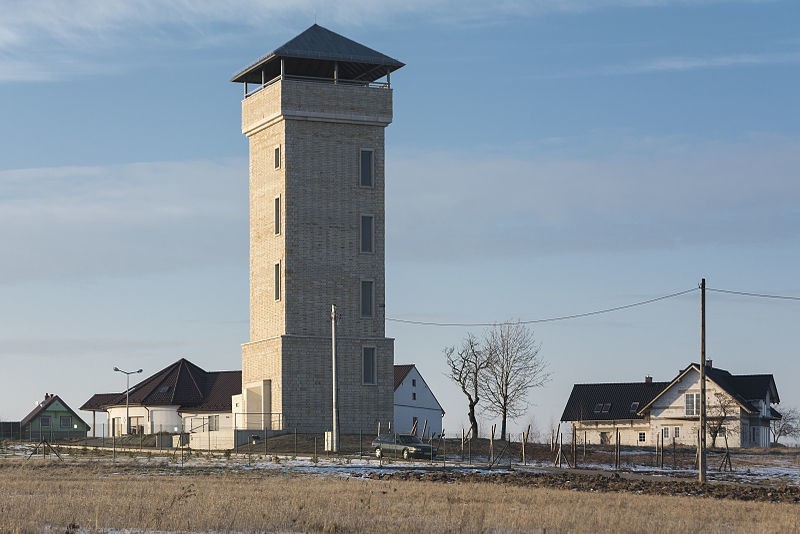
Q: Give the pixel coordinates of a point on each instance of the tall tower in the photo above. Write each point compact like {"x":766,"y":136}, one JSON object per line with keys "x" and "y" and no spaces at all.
{"x":314,"y":113}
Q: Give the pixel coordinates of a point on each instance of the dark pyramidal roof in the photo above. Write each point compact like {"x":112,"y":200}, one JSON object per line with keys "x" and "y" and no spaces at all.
{"x":182,"y":384}
{"x":314,"y":53}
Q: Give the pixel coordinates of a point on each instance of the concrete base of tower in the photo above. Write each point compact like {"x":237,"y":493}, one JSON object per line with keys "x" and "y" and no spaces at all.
{"x":298,"y":373}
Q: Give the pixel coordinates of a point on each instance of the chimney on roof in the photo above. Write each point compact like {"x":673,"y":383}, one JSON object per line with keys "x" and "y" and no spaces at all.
{"x":709,"y":363}
{"x":648,"y":379}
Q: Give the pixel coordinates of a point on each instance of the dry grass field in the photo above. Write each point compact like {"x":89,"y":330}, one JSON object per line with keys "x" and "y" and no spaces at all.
{"x":84,"y":496}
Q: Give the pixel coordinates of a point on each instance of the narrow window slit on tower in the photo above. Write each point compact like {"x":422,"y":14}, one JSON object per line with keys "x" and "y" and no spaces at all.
{"x":367,"y":233}
{"x":277,"y":215}
{"x":278,"y":157}
{"x":367,"y":297}
{"x":367,"y":168}
{"x":278,"y":281}
{"x":369,"y":368}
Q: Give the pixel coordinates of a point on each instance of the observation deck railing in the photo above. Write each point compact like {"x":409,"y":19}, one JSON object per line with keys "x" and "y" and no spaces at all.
{"x":332,"y":81}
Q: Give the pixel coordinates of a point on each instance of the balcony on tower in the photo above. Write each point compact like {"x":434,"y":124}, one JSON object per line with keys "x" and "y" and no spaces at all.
{"x":318,"y":75}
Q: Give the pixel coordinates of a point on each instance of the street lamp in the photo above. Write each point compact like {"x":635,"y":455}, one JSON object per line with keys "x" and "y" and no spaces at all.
{"x":127,"y":396}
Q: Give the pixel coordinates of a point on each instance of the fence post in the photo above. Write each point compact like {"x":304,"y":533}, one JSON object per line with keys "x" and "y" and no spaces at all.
{"x":491,"y":445}
{"x":574,"y":448}
{"x":295,"y":442}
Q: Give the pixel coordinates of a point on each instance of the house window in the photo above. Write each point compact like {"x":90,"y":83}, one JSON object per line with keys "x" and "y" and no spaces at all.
{"x":367,"y":168}
{"x":213,"y":422}
{"x":722,"y":432}
{"x":413,"y":382}
{"x":369,"y":375}
{"x":66,"y":421}
{"x":413,"y":396}
{"x":45,"y":420}
{"x":606,"y":407}
{"x":367,"y":298}
{"x":634,"y":407}
{"x":665,"y":432}
{"x":598,"y":407}
{"x":677,"y":432}
{"x":642,"y":437}
{"x":692,"y":404}
{"x":755,"y":434}
{"x":278,"y":281}
{"x":367,"y":233}
{"x":278,"y":157}
{"x":277,"y":215}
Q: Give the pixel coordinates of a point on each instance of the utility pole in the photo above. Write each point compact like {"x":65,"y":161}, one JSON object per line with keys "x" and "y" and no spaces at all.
{"x":701,"y":458}
{"x":335,"y":430}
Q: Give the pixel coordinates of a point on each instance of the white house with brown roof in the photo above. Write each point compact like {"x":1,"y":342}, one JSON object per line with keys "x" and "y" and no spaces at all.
{"x":738,"y":409}
{"x":182,"y":397}
{"x":414,"y":403}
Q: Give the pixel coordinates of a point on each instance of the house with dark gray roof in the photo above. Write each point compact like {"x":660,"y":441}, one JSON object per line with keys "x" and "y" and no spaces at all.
{"x":739,"y":409}
{"x":182,"y":397}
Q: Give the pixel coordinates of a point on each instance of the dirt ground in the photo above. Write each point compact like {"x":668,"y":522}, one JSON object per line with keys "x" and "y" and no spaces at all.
{"x":613,"y":482}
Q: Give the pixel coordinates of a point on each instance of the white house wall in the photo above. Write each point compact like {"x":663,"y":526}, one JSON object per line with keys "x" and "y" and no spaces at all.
{"x":198,"y":422}
{"x":423,"y":407}
{"x":164,"y":419}
{"x":156,"y":419}
{"x":669,"y":411}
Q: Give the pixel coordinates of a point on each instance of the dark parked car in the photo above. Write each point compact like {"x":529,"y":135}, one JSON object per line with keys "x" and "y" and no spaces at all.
{"x":403,"y":444}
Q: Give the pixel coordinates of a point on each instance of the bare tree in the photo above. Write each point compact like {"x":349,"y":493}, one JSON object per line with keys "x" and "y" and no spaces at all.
{"x":787,"y":426}
{"x":721,"y":411}
{"x":467,"y":367}
{"x":514,"y":367}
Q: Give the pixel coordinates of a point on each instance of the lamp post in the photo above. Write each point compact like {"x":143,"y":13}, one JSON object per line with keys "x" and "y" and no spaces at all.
{"x":127,"y":396}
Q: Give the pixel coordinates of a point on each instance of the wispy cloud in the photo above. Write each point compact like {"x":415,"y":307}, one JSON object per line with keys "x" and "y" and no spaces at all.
{"x":35,"y":37}
{"x":682,"y":64}
{"x":660,"y":196}
{"x":85,"y":222}
{"x":45,"y":347}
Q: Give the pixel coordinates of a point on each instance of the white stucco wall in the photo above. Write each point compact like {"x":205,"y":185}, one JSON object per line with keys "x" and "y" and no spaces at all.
{"x":670,"y":411}
{"x":198,"y":422}
{"x":413,"y":398}
{"x":156,"y":419}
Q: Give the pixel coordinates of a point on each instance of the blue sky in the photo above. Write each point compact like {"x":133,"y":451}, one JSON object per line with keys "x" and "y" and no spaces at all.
{"x":546,"y":158}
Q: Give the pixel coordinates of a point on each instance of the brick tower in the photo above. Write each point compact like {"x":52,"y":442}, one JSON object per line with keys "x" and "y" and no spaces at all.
{"x":314,"y":112}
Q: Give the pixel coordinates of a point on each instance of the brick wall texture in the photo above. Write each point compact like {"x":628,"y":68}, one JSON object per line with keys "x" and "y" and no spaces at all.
{"x":321,"y":129}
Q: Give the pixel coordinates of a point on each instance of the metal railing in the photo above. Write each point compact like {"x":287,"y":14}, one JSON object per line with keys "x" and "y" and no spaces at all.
{"x":314,"y":79}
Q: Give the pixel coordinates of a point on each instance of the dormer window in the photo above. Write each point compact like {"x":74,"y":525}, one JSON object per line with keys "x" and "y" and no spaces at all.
{"x":634,"y":407}
{"x":598,"y":407}
{"x":606,"y":407}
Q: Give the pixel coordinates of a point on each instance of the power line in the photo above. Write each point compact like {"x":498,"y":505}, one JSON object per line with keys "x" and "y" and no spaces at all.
{"x":749,"y":294}
{"x":549,"y":319}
